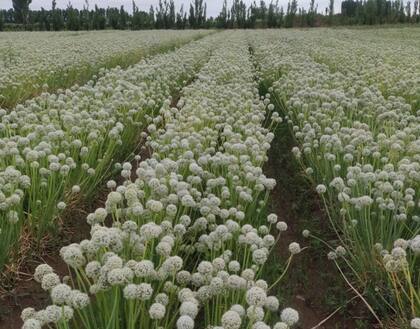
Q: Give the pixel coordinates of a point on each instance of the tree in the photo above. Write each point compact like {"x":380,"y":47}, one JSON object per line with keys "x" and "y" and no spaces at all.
{"x":251,"y":16}
{"x":181,"y":19}
{"x":408,"y":10}
{"x":310,"y":17}
{"x":263,"y":12}
{"x":73,"y":22}
{"x":171,"y":15}
{"x":223,"y":16}
{"x":160,"y":15}
{"x":272,"y":14}
{"x":21,"y":11}
{"x":113,"y":16}
{"x":331,"y":12}
{"x":57,"y":18}
{"x":291,"y":13}
{"x":44,"y":20}
{"x":191,"y":17}
{"x":258,"y":14}
{"x":151,"y":18}
{"x":85,"y":17}
{"x":123,"y":18}
{"x":99,"y":18}
{"x":281,"y":17}
{"x":1,"y":20}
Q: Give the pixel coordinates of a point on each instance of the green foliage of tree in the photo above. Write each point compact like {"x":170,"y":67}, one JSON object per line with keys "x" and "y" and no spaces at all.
{"x":1,"y":20}
{"x":57,"y":17}
{"x":165,"y":15}
{"x":291,"y":13}
{"x":72,"y":18}
{"x":21,"y":11}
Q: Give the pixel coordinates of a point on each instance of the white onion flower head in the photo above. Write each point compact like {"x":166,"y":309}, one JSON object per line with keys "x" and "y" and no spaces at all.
{"x":75,"y":189}
{"x":294,"y":248}
{"x":49,"y":281}
{"x":272,"y":218}
{"x":281,"y":226}
{"x":231,"y":320}
{"x":53,"y":313}
{"x":238,"y":309}
{"x":321,"y":189}
{"x":41,"y":270}
{"x":162,"y":298}
{"x":157,"y":311}
{"x":61,"y":205}
{"x":259,"y":256}
{"x":31,"y":324}
{"x":262,"y":284}
{"x":68,"y":312}
{"x":205,"y":267}
{"x":61,"y":294}
{"x":272,"y":303}
{"x":340,"y":251}
{"x":332,"y":255}
{"x":111,"y":184}
{"x":289,"y":316}
{"x":185,"y":322}
{"x":234,"y":266}
{"x":189,"y":308}
{"x":415,"y":245}
{"x":260,"y":325}
{"x":73,"y":256}
{"x":79,"y":300}
{"x":281,"y":325}
{"x":255,"y":313}
{"x":248,"y":274}
{"x":27,"y":313}
{"x":306,"y":233}
{"x":93,"y":269}
{"x":415,"y":323}
{"x":256,"y":296}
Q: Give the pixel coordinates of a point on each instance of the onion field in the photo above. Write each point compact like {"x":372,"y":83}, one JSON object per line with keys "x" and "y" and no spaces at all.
{"x":147,"y":179}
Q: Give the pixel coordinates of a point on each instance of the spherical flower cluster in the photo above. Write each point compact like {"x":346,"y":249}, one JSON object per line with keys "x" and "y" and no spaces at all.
{"x":157,"y":311}
{"x":289,"y":316}
{"x":231,"y":320}
{"x":185,"y":322}
{"x":294,"y":248}
{"x":415,"y":323}
{"x":256,"y":296}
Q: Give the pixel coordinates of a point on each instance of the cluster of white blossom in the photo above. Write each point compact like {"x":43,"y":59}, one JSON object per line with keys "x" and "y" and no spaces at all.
{"x":33,"y":61}
{"x":387,"y":60}
{"x":353,"y":106}
{"x":415,"y":323}
{"x":65,"y":301}
{"x":57,"y":145}
{"x":188,"y":234}
{"x":396,"y":260}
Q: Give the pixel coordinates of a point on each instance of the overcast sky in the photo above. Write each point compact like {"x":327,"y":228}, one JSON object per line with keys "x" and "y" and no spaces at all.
{"x":213,"y":6}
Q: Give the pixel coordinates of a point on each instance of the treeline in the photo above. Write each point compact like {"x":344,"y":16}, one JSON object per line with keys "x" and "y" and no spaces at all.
{"x":379,"y":12}
{"x":166,"y":16}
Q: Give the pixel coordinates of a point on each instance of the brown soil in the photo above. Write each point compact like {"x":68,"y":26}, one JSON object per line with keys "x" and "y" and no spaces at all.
{"x":313,"y":285}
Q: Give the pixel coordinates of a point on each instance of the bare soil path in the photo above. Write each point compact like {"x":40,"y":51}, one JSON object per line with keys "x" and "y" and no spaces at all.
{"x":313,"y":285}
